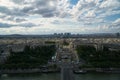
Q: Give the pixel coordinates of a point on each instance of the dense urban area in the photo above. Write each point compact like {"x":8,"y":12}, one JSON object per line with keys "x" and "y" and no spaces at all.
{"x":36,"y":54}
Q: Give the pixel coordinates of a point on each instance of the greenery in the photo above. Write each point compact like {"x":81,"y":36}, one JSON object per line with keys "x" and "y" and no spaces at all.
{"x":31,"y":57}
{"x":49,"y":42}
{"x":65,"y":43}
{"x":102,"y":58}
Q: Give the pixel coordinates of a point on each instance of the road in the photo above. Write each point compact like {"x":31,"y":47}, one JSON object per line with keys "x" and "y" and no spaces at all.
{"x":66,"y":71}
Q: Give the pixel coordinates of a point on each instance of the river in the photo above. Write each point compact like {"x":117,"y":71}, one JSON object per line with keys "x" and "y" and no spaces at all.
{"x":56,"y":76}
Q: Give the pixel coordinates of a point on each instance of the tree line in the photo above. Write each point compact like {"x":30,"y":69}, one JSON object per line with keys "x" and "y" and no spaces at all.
{"x":30,"y":57}
{"x":98,"y":59}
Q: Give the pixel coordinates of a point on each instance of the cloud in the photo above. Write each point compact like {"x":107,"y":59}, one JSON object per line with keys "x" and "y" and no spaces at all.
{"x":59,"y":15}
{"x":18,"y":1}
{"x":4,"y":9}
{"x":116,"y":23}
{"x":46,"y":8}
{"x":8,"y":3}
{"x":27,"y":25}
{"x":5,"y":25}
{"x":90,"y":14}
{"x":14,"y":19}
{"x":110,"y":4}
{"x":12,"y":12}
{"x":19,"y":19}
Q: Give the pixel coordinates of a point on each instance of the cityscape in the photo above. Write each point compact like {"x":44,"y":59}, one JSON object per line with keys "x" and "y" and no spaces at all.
{"x":59,"y":39}
{"x":22,"y":54}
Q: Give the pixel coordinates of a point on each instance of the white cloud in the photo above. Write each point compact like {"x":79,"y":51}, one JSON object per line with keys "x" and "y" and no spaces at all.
{"x":89,"y":1}
{"x":8,"y":3}
{"x":116,"y":23}
{"x":90,"y":14}
{"x":110,"y":4}
{"x":6,"y":21}
{"x":48,"y":16}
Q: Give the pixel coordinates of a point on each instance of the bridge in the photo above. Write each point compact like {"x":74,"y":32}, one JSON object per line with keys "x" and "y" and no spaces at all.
{"x":66,"y":71}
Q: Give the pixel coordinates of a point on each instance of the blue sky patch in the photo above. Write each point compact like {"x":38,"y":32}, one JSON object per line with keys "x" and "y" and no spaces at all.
{"x":112,"y":17}
{"x":74,"y":2}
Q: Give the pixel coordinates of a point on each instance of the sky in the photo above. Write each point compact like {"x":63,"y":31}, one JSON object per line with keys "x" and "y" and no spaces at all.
{"x":59,"y":16}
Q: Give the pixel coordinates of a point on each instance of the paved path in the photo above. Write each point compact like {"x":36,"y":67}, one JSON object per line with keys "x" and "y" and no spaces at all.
{"x":67,"y":72}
